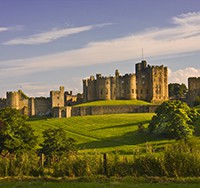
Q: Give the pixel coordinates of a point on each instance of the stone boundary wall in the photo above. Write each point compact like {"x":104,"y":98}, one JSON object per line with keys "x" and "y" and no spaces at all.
{"x":99,"y":110}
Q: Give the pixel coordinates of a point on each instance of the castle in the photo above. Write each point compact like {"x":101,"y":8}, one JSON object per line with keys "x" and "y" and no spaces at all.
{"x":57,"y":105}
{"x":149,"y":83}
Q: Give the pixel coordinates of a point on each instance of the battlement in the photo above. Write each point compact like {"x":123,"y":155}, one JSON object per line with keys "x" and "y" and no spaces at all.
{"x":194,"y":79}
{"x":2,"y":99}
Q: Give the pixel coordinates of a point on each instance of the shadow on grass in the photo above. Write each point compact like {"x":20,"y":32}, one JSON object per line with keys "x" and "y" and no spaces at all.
{"x":123,"y":125}
{"x":130,"y":138}
{"x":36,"y":118}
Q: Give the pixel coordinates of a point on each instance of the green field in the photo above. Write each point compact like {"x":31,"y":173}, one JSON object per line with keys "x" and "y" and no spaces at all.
{"x":114,"y":102}
{"x":103,"y":133}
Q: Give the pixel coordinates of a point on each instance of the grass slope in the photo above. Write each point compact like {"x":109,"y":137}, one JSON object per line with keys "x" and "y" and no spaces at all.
{"x":103,"y":133}
{"x":114,"y":102}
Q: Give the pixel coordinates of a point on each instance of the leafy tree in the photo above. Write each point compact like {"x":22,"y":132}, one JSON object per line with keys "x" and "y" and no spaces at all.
{"x":196,"y":102}
{"x":173,"y":119}
{"x":177,"y":91}
{"x":57,"y":143}
{"x":15,"y":134}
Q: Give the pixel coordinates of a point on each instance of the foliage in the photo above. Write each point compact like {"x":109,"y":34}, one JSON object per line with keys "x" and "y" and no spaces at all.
{"x":196,"y":102}
{"x":57,"y":143}
{"x":173,"y":119}
{"x":177,"y":91}
{"x":15,"y":134}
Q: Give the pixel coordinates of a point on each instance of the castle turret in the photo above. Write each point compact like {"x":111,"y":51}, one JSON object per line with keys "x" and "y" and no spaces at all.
{"x":57,"y":98}
{"x":13,"y":99}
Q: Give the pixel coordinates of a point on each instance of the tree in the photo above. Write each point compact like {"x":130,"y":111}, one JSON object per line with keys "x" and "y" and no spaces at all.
{"x":15,"y":134}
{"x":57,"y":143}
{"x":177,"y":91}
{"x":196,"y":102}
{"x":173,"y":119}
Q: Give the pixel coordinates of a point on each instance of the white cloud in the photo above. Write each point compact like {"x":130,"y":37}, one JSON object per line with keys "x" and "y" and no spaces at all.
{"x":3,"y":29}
{"x":179,"y":38}
{"x":182,"y":75}
{"x":50,"y":36}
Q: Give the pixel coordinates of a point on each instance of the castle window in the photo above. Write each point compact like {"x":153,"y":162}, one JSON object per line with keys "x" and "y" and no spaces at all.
{"x":106,"y":91}
{"x":57,"y":97}
{"x":132,"y":90}
{"x":128,"y":91}
{"x":101,"y":92}
{"x":147,"y":91}
{"x":136,"y":91}
{"x":141,"y":91}
{"x":107,"y":82}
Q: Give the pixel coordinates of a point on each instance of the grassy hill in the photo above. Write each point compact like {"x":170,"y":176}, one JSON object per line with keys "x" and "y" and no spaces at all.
{"x":103,"y":133}
{"x":114,"y":102}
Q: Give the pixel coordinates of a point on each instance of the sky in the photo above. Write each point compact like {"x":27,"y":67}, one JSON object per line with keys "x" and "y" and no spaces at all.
{"x":45,"y":44}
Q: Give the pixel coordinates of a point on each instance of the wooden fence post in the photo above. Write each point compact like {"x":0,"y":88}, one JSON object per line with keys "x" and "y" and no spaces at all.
{"x":105,"y":164}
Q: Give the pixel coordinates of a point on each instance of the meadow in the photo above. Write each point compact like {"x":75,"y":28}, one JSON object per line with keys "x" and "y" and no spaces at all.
{"x":103,"y":133}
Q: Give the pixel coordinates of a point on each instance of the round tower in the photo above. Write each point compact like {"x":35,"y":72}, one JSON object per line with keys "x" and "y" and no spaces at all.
{"x":132,"y":86}
{"x":13,"y":100}
{"x":107,"y":89}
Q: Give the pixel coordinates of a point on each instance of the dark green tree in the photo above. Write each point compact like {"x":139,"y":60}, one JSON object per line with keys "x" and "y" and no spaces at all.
{"x":15,"y":134}
{"x":177,"y":91}
{"x":57,"y":143}
{"x":196,"y":102}
{"x":173,"y":119}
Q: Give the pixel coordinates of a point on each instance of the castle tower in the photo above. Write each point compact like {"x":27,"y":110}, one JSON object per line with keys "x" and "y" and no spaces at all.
{"x":130,"y":86}
{"x":31,"y":106}
{"x":13,"y":99}
{"x":57,"y":98}
{"x":151,"y":82}
{"x":193,"y":89}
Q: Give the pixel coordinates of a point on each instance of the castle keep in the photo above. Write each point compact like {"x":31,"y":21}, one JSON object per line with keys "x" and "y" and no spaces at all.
{"x":149,"y":83}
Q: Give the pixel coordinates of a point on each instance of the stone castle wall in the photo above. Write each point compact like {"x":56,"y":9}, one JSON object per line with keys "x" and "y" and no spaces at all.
{"x":193,"y":89}
{"x":100,"y":110}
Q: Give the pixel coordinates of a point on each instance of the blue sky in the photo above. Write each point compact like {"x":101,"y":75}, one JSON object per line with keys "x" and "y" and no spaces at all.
{"x":48,"y":43}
